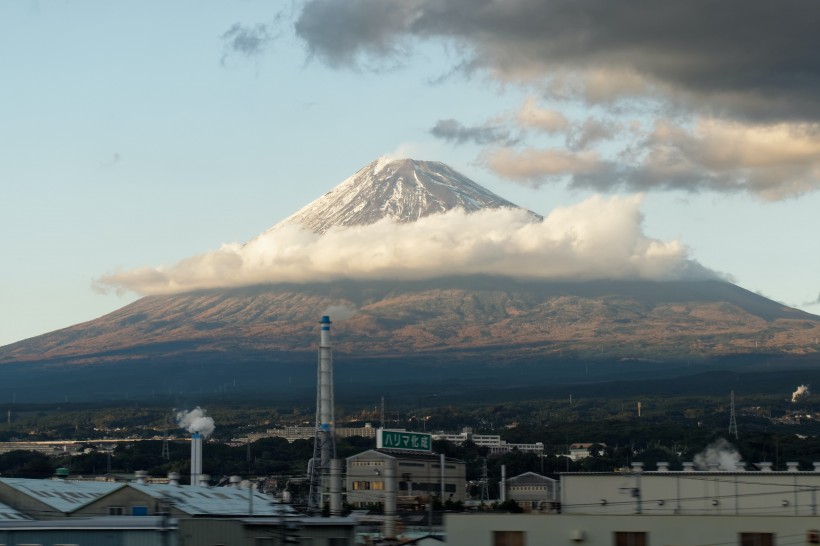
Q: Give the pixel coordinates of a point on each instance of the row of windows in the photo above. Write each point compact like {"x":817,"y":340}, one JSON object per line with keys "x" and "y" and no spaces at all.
{"x":123,"y":511}
{"x":630,"y":538}
{"x":368,"y":486}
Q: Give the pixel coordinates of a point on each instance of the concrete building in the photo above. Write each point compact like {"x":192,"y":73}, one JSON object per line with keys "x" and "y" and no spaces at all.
{"x":418,"y":475}
{"x":626,"y":530}
{"x":684,"y":508}
{"x":691,"y":492}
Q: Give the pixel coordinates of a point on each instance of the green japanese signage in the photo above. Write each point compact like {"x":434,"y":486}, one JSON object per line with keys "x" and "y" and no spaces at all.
{"x":399,"y":439}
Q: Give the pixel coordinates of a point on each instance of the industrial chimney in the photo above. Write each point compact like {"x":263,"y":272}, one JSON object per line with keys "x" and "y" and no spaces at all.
{"x":324,"y":446}
{"x":196,"y":457}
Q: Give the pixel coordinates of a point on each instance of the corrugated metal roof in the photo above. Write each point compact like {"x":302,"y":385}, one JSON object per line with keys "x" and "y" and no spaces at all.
{"x":62,"y":495}
{"x":213,"y":501}
{"x":7,"y":513}
{"x":108,"y":522}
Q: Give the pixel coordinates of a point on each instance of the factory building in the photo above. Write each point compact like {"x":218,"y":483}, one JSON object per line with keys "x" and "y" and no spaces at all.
{"x":110,"y":514}
{"x":418,"y":476}
{"x":532,"y":492}
{"x":641,"y":508}
{"x":107,"y":531}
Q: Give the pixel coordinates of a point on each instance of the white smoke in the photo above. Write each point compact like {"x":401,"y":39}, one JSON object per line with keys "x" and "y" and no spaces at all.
{"x":196,"y":421}
{"x":596,"y":239}
{"x":801,"y":392}
{"x":721,"y":453}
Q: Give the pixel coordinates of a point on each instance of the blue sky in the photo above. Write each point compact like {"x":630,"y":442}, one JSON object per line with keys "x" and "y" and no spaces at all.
{"x":136,"y":134}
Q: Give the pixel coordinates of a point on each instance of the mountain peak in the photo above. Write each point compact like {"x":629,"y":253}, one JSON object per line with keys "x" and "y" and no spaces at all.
{"x":403,"y":190}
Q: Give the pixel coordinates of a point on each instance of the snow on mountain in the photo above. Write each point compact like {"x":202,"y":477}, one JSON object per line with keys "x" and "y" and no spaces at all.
{"x":403,"y":190}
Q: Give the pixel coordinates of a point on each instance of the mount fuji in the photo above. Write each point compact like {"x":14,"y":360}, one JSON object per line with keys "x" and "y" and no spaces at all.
{"x":472,"y":327}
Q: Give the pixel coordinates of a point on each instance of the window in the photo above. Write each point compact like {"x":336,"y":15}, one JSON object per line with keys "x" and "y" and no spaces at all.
{"x":508,"y":538}
{"x":630,"y":538}
{"x":116,"y":511}
{"x":139,"y":510}
{"x":756,"y":539}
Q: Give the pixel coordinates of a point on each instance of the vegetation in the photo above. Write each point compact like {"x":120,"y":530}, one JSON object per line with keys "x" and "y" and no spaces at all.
{"x":673,"y":429}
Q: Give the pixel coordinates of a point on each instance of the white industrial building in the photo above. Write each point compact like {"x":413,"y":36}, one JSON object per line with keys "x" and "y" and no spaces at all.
{"x":532,"y":492}
{"x":662,"y":507}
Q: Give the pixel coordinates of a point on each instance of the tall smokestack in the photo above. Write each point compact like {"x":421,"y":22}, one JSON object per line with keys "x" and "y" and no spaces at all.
{"x":324,"y":446}
{"x":196,"y":457}
{"x":325,"y":387}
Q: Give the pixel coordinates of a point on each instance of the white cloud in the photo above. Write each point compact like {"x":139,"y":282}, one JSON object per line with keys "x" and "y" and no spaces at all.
{"x":536,"y":165}
{"x":596,"y":239}
{"x":544,"y":119}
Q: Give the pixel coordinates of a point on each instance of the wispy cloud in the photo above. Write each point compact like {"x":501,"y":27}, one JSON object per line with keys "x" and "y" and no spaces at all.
{"x":246,"y":40}
{"x":454,"y":131}
{"x":596,"y":239}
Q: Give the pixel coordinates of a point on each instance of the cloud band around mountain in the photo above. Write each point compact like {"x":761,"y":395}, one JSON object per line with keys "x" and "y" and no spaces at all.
{"x":596,"y":239}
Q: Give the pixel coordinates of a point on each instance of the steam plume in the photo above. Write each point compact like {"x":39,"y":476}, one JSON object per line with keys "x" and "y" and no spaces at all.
{"x":801,"y":392}
{"x":196,"y":421}
{"x":719,"y":452}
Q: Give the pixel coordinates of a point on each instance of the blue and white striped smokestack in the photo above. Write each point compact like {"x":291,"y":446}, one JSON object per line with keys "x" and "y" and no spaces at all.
{"x":196,"y":457}
{"x":325,"y":378}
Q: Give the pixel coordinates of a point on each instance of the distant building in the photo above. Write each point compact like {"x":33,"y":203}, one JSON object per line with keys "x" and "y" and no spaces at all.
{"x":493,"y":442}
{"x":580,"y":451}
{"x":291,"y":434}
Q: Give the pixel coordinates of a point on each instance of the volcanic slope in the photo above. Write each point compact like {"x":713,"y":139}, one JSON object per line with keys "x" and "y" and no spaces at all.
{"x":480,"y":321}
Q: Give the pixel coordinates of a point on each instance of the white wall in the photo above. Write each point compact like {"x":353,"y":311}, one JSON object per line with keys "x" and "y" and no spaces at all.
{"x":597,"y":530}
{"x":708,"y":493}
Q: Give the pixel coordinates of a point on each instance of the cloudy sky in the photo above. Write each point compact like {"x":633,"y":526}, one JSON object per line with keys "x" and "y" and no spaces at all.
{"x":142,"y":136}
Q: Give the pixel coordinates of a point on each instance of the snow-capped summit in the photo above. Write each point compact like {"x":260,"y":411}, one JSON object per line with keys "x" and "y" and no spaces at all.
{"x":401,"y":189}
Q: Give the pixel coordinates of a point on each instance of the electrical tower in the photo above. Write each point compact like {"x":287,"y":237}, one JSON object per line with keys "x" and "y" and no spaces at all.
{"x":485,"y":491}
{"x":166,"y":454}
{"x":732,"y":418}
